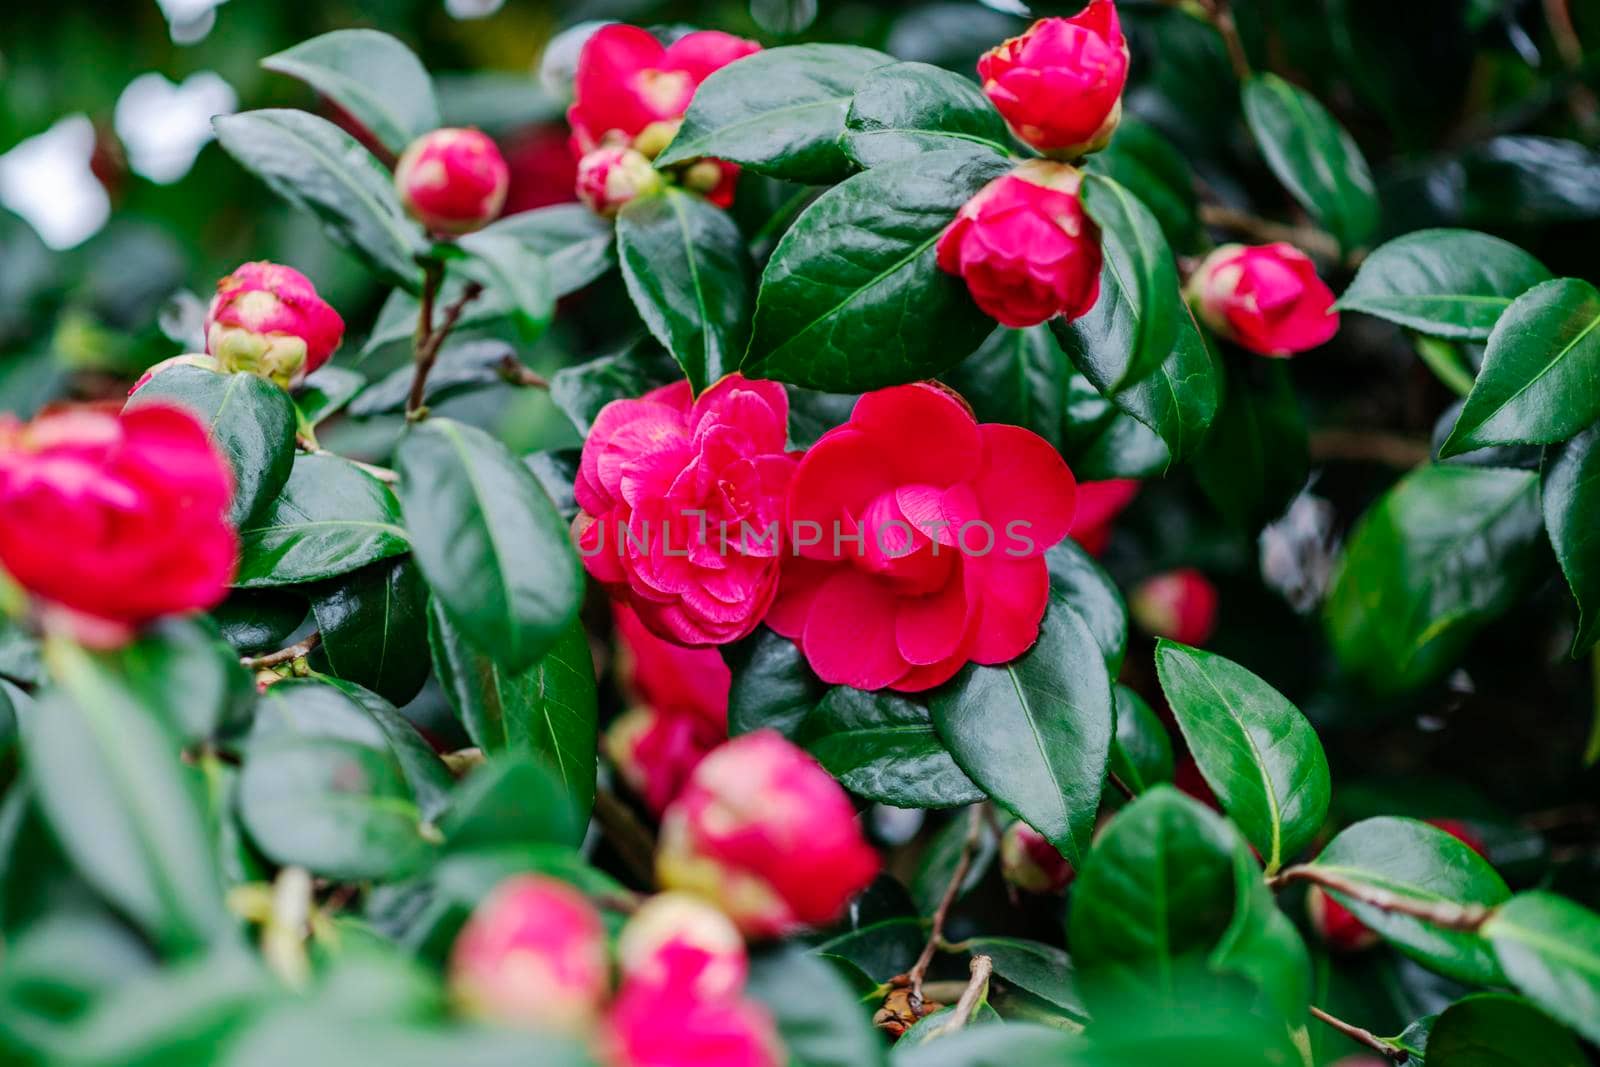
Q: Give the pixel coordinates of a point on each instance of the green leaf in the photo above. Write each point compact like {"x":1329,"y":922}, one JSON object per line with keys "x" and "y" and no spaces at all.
{"x":581,"y":390}
{"x":1444,"y":283}
{"x":1496,"y":1030}
{"x":1550,"y":949}
{"x":883,"y":747}
{"x":779,"y":112}
{"x":1090,"y":593}
{"x":1570,"y":496}
{"x":1148,"y":165}
{"x":772,"y":685}
{"x":578,"y":246}
{"x":992,"y":1045}
{"x":548,"y":710}
{"x":331,"y":518}
{"x":936,"y":866}
{"x":1016,"y":377}
{"x":1101,"y":441}
{"x":1441,"y":554}
{"x":514,"y":800}
{"x":818,"y":1018}
{"x":1257,"y":456}
{"x":1535,"y":383}
{"x":1315,"y":159}
{"x":1262,"y":944}
{"x":374,"y":629}
{"x":326,"y":391}
{"x":1140,"y":304}
{"x":493,"y":548}
{"x":686,"y":268}
{"x":1141,"y":752}
{"x":314,"y":1035}
{"x":250,"y":419}
{"x":461,"y":365}
{"x":852,"y":298}
{"x":907,"y":109}
{"x":1035,"y":733}
{"x":1254,"y":749}
{"x":319,"y":168}
{"x":181,"y":671}
{"x":1034,"y":967}
{"x":374,"y":78}
{"x":880,"y":949}
{"x":516,"y":281}
{"x":259,"y":620}
{"x":1422,"y":863}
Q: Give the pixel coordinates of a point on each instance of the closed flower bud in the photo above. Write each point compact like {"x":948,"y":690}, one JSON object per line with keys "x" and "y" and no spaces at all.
{"x":611,"y":176}
{"x":267,"y":319}
{"x":533,"y":954}
{"x":763,"y":832}
{"x":1025,"y":247}
{"x":1059,"y":85}
{"x":1266,"y":298}
{"x":1180,"y":605}
{"x":453,"y":181}
{"x":646,"y":1028}
{"x":679,"y":943}
{"x":1031,"y":863}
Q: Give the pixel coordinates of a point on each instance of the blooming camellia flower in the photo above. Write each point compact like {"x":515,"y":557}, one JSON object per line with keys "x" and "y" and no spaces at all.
{"x":109,"y":522}
{"x":1030,"y":862}
{"x":533,"y":954}
{"x":1179,"y":604}
{"x":1025,"y":247}
{"x":453,"y":181}
{"x":681,"y":504}
{"x":1099,"y":503}
{"x":678,"y":943}
{"x":611,"y":176}
{"x":920,"y":537}
{"x":763,"y":832}
{"x":267,"y":319}
{"x":1266,"y":298}
{"x":1059,"y":85}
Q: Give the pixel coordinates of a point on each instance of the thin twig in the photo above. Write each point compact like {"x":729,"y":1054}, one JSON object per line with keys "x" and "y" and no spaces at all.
{"x":1306,"y":238}
{"x":1372,"y":446}
{"x":1123,"y":787}
{"x":969,"y":845}
{"x":430,"y":338}
{"x":634,"y":843}
{"x":1365,"y":1037}
{"x":1221,"y":15}
{"x":283,"y":655}
{"x":514,"y":371}
{"x":1445,"y":913}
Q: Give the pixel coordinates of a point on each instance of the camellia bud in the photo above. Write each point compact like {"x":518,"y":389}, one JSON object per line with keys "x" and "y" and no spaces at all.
{"x":1031,"y":863}
{"x":1059,"y":85}
{"x":1180,"y":605}
{"x":1025,"y":247}
{"x":763,"y":832}
{"x":680,"y":943}
{"x":654,"y":138}
{"x":612,"y":176}
{"x":647,"y":1027}
{"x":453,"y":181}
{"x":533,"y":954}
{"x":1265,"y":298}
{"x":267,"y":319}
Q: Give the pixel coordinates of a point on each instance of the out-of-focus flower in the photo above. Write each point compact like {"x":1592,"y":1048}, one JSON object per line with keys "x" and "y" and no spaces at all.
{"x":645,"y":1029}
{"x":1030,"y":862}
{"x":543,"y":170}
{"x":679,"y":944}
{"x":1099,"y":504}
{"x":1180,"y":605}
{"x":612,"y":176}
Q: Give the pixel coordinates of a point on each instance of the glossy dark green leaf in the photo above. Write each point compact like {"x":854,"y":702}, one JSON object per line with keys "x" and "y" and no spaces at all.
{"x":547,"y":710}
{"x":514,"y":800}
{"x":772,"y":685}
{"x":779,"y":112}
{"x":910,"y":108}
{"x":1315,"y":159}
{"x":1017,"y":377}
{"x":880,"y":949}
{"x":1035,"y":733}
{"x":1570,"y":495}
{"x":1256,"y":458}
{"x":1034,"y":967}
{"x":686,"y":268}
{"x":1535,"y":383}
{"x":818,"y":1018}
{"x":1550,"y":949}
{"x":259,"y":620}
{"x":516,"y":281}
{"x":1261,"y":944}
{"x":250,"y":419}
{"x":1140,"y":306}
{"x":375,"y":79}
{"x":1089,"y":591}
{"x":1148,"y":165}
{"x":557,"y":472}
{"x":883,"y":747}
{"x":491,"y":545}
{"x":936,"y":866}
{"x":181,"y":670}
{"x":19,"y":655}
{"x":1438,"y":556}
{"x":582,"y":389}
{"x":993,"y":1045}
{"x":1101,"y":441}
{"x":319,"y":168}
{"x":1141,"y":753}
{"x":1496,"y":1030}
{"x":326,"y":391}
{"x":1255,"y":750}
{"x":331,"y":518}
{"x":1425,"y":864}
{"x":578,"y":246}
{"x":374,"y":627}
{"x":1445,"y":283}
{"x":852,"y":298}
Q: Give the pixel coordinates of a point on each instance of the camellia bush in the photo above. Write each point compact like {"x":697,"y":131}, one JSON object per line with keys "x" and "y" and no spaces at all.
{"x":788,"y":710}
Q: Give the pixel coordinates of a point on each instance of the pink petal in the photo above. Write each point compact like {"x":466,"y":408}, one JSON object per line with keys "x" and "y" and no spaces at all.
{"x":850,"y":632}
{"x":1025,"y":489}
{"x":1015,"y":592}
{"x":922,"y":433}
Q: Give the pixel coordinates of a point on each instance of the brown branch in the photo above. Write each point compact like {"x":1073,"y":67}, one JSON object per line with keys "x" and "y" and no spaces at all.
{"x":1123,"y":787}
{"x":969,"y":845}
{"x":1221,"y":15}
{"x":1372,"y":446}
{"x":982,"y":968}
{"x":512,"y":370}
{"x":1306,"y":238}
{"x":283,"y":655}
{"x":633,"y":842}
{"x":429,"y":338}
{"x":1559,"y":15}
{"x":1364,"y":1037}
{"x":1444,"y":913}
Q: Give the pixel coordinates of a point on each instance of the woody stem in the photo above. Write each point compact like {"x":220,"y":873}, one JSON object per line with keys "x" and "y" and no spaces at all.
{"x":1445,"y":913}
{"x":969,"y":845}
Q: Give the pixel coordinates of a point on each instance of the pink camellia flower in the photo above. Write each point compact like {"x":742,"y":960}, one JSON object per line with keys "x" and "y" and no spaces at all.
{"x":267,"y":319}
{"x":920,"y":539}
{"x":533,"y":954}
{"x":1266,"y":298}
{"x":1059,"y":85}
{"x":111,"y":521}
{"x":645,"y":1028}
{"x":679,"y":943}
{"x":1030,"y":862}
{"x":763,"y":832}
{"x":1180,"y":605}
{"x":1099,"y":503}
{"x":681,"y":504}
{"x":1025,"y":247}
{"x":611,"y":176}
{"x":453,"y":181}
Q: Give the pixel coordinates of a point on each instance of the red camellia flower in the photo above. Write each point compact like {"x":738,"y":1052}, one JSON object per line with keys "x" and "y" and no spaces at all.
{"x":1031,"y":863}
{"x":1059,"y":85}
{"x":1180,"y":605}
{"x":543,"y":170}
{"x":678,"y":943}
{"x":920,"y":539}
{"x":109,"y":521}
{"x":1266,"y":298}
{"x":766,"y":834}
{"x":453,"y":181}
{"x":1025,"y":247}
{"x":533,"y":954}
{"x":267,"y":319}
{"x":647,"y":1029}
{"x":681,"y":504}
{"x":1099,"y":503}
{"x":611,"y":176}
